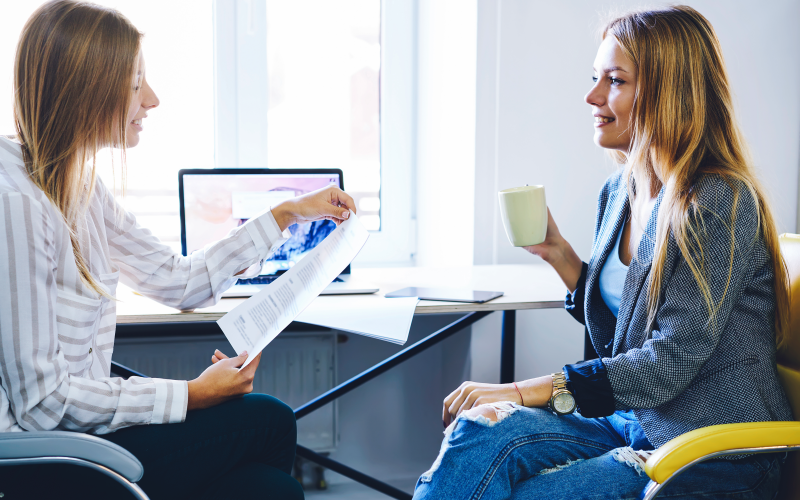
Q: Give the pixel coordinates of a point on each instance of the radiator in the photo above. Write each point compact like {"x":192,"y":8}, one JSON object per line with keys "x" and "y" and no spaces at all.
{"x":295,"y":368}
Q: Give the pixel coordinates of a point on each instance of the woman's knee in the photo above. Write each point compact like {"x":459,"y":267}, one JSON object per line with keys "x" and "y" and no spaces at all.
{"x":484,"y":427}
{"x":495,"y":428}
{"x":272,"y":412}
{"x":514,"y":419}
{"x":492,"y":412}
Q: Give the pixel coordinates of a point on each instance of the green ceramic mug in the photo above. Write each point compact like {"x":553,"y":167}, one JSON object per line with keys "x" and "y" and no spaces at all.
{"x":524,"y":213}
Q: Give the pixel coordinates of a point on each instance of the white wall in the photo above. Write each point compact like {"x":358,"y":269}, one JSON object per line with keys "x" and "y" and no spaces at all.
{"x":532,"y":126}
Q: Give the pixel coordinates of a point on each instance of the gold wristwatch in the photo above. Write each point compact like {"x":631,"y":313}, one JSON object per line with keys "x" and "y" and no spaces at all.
{"x":561,"y":402}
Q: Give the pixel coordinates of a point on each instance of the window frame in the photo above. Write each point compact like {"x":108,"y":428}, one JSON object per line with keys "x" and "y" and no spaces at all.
{"x":240,"y":105}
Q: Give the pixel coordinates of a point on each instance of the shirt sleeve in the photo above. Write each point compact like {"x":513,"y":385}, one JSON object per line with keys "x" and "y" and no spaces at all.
{"x":186,"y":282}
{"x":35,"y":376}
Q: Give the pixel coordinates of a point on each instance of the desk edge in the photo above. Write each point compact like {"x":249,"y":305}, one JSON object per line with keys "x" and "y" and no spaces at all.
{"x":178,"y":317}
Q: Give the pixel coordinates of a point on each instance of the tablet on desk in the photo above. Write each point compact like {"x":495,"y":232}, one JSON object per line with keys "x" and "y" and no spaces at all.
{"x":446,"y":294}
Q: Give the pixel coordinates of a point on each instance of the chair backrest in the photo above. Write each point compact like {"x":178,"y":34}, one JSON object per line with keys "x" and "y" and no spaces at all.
{"x":789,"y":354}
{"x":789,"y":358}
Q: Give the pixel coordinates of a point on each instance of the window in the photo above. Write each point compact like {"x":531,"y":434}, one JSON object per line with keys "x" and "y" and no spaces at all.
{"x":179,"y":133}
{"x":313,"y":69}
{"x":323,"y":66}
{"x":334,"y":80}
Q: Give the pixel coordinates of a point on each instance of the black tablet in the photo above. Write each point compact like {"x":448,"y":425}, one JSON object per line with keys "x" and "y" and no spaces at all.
{"x":446,"y":294}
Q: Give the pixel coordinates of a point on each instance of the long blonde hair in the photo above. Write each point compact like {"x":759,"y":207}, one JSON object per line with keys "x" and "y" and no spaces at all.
{"x":682,"y":129}
{"x":73,"y":78}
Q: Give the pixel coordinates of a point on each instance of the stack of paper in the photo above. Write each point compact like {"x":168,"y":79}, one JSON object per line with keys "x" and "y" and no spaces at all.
{"x":370,"y":315}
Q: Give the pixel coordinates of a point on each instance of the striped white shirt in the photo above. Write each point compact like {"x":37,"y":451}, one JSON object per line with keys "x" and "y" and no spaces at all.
{"x":57,"y":335}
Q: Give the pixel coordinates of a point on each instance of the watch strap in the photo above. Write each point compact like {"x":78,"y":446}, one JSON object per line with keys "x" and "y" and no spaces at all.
{"x":559,"y":382}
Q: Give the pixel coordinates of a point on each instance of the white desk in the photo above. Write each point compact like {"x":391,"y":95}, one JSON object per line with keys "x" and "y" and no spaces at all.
{"x":524,"y":286}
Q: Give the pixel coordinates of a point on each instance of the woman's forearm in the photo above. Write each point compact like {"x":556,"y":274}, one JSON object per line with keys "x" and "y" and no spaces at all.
{"x":284,"y":214}
{"x":557,"y":252}
{"x":566,"y":263}
{"x":536,"y":391}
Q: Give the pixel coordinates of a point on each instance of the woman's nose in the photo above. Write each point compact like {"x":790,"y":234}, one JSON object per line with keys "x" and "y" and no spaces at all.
{"x":152,"y":102}
{"x":595,"y":97}
{"x":150,"y":98}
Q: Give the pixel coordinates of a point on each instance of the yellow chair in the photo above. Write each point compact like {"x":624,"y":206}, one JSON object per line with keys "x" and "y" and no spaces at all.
{"x":715,"y":441}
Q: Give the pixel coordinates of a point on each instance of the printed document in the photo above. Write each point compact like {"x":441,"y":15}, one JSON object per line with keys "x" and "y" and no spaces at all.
{"x":252,"y":325}
{"x":369,"y":315}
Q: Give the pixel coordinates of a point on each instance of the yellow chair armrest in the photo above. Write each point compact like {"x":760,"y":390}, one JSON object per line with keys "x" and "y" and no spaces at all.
{"x":701,"y":442}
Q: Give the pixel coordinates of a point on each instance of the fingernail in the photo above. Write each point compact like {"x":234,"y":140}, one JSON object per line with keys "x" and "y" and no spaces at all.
{"x":346,"y":214}
{"x":244,"y":353}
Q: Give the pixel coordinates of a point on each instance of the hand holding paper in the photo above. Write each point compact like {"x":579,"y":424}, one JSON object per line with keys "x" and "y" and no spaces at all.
{"x":256,"y":322}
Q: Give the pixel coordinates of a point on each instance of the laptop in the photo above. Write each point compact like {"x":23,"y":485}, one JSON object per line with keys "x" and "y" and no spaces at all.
{"x":214,"y":201}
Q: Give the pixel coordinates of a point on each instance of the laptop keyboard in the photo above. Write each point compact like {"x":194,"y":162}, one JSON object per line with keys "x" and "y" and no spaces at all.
{"x":266,"y":280}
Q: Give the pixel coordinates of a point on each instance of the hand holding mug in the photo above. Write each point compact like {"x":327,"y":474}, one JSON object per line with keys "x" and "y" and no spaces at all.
{"x":524,"y":214}
{"x":530,"y":225}
{"x":553,"y":245}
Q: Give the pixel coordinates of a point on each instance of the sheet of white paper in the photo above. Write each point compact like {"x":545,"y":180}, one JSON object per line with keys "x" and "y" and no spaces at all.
{"x":370,"y":315}
{"x":253,"y":324}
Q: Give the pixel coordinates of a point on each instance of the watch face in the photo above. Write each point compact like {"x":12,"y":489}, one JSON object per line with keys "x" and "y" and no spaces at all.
{"x":564,"y":403}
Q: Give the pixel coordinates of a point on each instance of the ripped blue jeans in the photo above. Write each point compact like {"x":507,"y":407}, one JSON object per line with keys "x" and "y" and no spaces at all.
{"x":529,"y":454}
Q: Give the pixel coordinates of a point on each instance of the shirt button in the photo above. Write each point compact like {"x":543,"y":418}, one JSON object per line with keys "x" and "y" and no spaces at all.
{"x":90,"y":350}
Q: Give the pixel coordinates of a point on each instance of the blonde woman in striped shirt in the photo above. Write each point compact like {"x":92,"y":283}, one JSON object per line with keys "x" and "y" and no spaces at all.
{"x":80,"y":86}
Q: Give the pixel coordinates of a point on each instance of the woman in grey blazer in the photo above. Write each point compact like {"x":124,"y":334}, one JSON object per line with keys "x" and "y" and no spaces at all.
{"x":684,"y":298}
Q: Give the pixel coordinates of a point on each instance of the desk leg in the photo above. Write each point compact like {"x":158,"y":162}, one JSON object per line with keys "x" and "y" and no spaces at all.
{"x":345,"y":387}
{"x":353,"y":474}
{"x":407,"y":353}
{"x":507,"y":347}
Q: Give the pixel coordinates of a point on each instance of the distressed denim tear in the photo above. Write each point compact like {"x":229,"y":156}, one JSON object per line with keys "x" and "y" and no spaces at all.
{"x":502,"y":409}
{"x":559,"y":467}
{"x":635,"y":459}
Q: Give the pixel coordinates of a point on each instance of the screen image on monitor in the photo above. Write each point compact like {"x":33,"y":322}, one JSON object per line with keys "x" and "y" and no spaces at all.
{"x":213,"y":204}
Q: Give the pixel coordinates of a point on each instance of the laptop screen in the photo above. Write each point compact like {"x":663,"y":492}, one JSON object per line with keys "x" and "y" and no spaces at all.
{"x":214,"y":201}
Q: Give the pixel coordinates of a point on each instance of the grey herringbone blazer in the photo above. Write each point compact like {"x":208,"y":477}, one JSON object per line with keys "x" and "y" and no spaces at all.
{"x":686,"y":372}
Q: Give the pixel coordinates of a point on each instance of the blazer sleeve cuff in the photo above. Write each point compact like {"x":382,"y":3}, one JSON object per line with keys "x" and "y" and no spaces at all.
{"x":589,"y":384}
{"x":574,"y":301}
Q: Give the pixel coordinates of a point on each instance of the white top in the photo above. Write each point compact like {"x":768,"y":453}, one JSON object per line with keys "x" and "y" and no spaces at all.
{"x":612,"y":278}
{"x":57,"y":335}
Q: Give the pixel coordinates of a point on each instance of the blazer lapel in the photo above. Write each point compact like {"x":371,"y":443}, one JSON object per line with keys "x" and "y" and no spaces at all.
{"x":599,"y":318}
{"x":638,"y":272}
